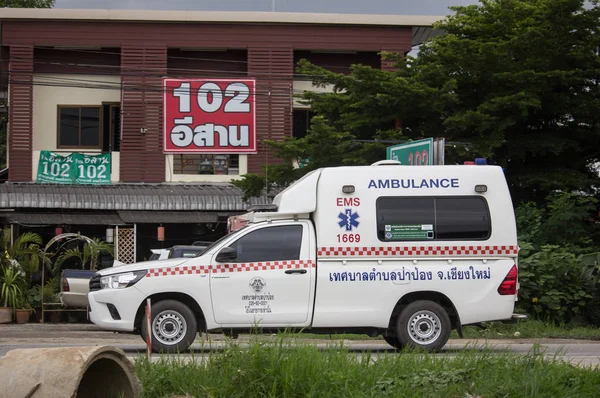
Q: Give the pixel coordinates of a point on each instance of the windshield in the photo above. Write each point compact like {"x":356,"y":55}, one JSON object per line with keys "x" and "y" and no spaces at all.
{"x":218,"y":241}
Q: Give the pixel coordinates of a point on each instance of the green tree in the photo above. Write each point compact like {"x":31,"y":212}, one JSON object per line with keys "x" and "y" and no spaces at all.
{"x":27,"y":3}
{"x":523,"y":76}
{"x":517,"y":80}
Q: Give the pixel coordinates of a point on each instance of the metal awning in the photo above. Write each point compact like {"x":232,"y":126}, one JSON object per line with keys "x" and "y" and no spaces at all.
{"x":168,"y":217}
{"x":39,"y":219}
{"x":421,"y":34}
{"x":164,"y":197}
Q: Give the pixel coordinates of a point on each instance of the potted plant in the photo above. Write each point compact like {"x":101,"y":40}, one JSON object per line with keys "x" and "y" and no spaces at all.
{"x":5,"y":311}
{"x":23,"y":311}
{"x":10,"y":290}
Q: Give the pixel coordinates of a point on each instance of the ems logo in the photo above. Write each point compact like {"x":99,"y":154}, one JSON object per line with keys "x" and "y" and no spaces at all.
{"x":257,"y":284}
{"x":348,"y":219}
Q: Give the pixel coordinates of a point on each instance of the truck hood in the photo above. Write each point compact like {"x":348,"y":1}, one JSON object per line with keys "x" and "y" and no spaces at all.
{"x":143,"y":265}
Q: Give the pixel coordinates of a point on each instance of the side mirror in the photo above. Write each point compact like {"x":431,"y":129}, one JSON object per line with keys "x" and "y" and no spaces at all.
{"x":227,"y":254}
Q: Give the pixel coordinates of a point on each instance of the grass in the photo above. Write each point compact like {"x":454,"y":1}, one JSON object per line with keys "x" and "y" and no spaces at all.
{"x":285,"y":369}
{"x":528,"y":329}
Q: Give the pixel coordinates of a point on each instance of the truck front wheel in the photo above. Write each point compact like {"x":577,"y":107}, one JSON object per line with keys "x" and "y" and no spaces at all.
{"x":423,"y":324}
{"x":173,"y":327}
{"x":393,"y":341}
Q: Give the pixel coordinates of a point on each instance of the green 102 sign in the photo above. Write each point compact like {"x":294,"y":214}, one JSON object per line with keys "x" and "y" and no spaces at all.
{"x":76,"y":168}
{"x":414,"y":153}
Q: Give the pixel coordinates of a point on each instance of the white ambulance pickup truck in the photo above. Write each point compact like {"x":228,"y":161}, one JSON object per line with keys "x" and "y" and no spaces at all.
{"x":409,"y":253}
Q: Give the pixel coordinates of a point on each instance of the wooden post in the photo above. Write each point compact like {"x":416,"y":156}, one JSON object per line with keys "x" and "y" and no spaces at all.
{"x":148,"y":330}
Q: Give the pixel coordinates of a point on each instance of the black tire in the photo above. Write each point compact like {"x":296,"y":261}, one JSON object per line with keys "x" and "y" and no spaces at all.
{"x":174,"y":327}
{"x":393,"y":341}
{"x":423,"y":324}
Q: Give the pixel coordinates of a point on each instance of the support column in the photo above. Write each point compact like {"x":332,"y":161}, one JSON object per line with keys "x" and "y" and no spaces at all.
{"x":273,"y":70}
{"x":20,"y":114}
{"x":142,"y":158}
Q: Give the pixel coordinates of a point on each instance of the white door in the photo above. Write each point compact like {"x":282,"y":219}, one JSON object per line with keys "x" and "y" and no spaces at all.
{"x":270,"y":280}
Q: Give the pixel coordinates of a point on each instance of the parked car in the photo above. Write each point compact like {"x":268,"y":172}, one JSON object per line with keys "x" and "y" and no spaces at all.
{"x":75,"y":282}
{"x":181,"y":251}
{"x":159,"y":254}
{"x":74,"y":287}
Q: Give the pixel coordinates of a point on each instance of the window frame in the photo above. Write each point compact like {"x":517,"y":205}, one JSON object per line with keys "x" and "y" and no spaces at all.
{"x":111,"y":131}
{"x":485,"y":202}
{"x":100,"y":127}
{"x":178,"y":163}
{"x":294,"y":225}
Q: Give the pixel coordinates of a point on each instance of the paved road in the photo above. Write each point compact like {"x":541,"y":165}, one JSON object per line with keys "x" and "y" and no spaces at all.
{"x":579,"y":352}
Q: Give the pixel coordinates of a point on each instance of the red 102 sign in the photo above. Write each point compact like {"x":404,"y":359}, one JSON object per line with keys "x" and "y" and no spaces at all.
{"x":209,"y":115}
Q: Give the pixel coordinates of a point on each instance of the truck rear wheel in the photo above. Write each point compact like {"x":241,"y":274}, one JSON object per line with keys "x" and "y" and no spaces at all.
{"x":423,"y":324}
{"x":173,"y":326}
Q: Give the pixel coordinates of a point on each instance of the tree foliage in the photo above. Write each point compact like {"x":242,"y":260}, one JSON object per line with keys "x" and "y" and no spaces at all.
{"x":558,"y":282}
{"x":524,"y":84}
{"x":27,"y":3}
{"x":323,"y":146}
{"x":516,"y":80}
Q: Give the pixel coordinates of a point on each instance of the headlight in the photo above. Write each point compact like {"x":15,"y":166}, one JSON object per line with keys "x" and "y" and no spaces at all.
{"x":120,"y":281}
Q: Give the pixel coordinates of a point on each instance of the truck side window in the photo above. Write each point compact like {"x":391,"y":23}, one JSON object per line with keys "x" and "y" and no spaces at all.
{"x":269,"y":244}
{"x":432,"y":218}
{"x":462,"y":218}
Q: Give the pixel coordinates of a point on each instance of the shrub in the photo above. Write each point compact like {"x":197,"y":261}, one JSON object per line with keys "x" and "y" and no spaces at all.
{"x":556,"y":285}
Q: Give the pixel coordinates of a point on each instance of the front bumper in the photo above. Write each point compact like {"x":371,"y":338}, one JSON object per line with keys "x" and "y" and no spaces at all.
{"x":125,"y":302}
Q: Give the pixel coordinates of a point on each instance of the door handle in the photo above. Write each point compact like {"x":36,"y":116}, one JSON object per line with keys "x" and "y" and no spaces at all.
{"x":295,"y":271}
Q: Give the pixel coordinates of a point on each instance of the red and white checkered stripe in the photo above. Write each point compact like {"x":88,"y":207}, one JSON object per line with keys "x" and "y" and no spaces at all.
{"x":184,"y":270}
{"x":264,"y":266}
{"x":420,"y":251}
{"x":224,"y":268}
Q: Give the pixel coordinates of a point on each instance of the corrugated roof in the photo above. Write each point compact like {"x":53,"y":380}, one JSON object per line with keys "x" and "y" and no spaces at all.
{"x":165,"y":197}
{"x":61,"y":218}
{"x":167,"y":217}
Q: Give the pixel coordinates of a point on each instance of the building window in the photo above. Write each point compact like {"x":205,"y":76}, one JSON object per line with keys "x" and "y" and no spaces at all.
{"x":79,"y":127}
{"x":432,"y":218}
{"x":206,"y":164}
{"x":302,"y":118}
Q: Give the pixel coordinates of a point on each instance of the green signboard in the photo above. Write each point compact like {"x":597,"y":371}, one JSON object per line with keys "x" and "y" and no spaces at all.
{"x":76,"y":168}
{"x":409,"y":231}
{"x":414,"y":153}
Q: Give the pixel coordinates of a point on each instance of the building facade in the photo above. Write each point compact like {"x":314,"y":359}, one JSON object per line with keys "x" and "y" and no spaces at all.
{"x":129,"y":114}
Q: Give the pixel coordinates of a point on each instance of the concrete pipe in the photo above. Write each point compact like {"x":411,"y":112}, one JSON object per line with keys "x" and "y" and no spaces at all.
{"x":82,"y":372}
